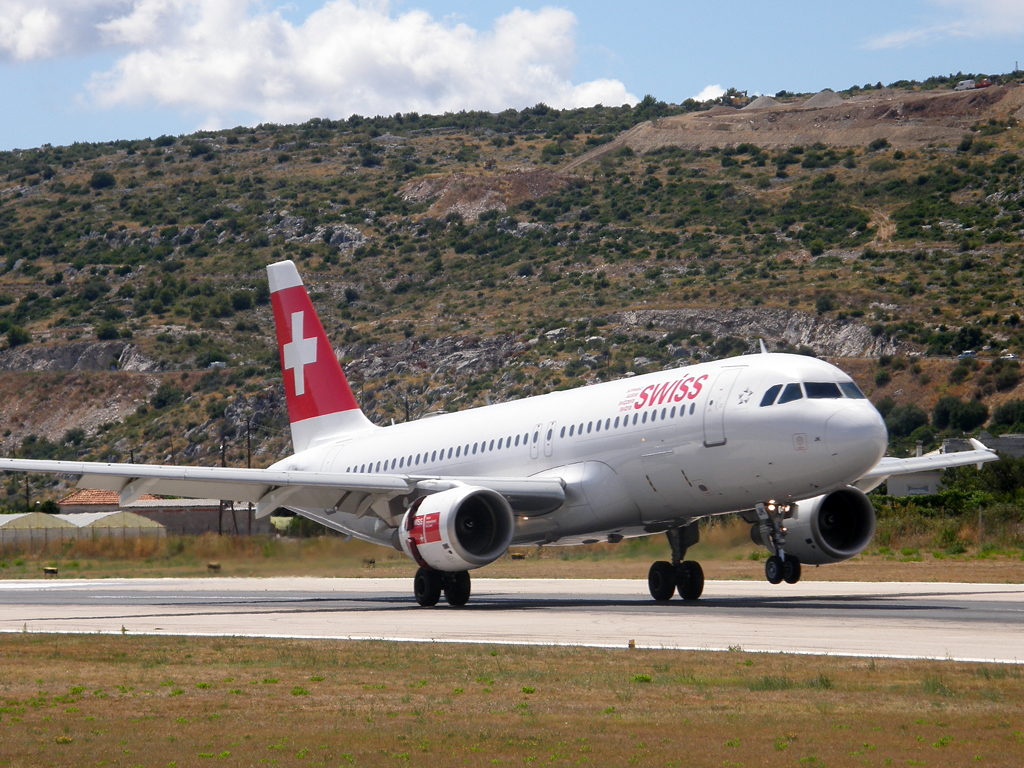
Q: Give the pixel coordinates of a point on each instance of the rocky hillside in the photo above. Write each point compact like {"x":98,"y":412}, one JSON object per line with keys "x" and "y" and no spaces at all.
{"x":461,"y":258}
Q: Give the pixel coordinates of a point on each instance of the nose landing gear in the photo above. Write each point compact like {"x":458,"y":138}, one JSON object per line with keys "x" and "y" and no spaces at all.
{"x":685,"y":576}
{"x":779,"y":567}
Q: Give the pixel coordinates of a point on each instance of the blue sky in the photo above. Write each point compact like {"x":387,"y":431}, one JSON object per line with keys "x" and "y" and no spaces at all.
{"x":89,"y":70}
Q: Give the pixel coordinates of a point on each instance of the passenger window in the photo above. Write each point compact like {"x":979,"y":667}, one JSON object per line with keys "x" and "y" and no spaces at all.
{"x":474,"y":449}
{"x":822,"y":390}
{"x":770,"y":395}
{"x":851,"y":390}
{"x":598,"y":425}
{"x":449,"y":453}
{"x":672,"y":414}
{"x":501,"y":438}
{"x":590,"y":426}
{"x":363,"y":468}
{"x":616,"y":422}
{"x":401,"y":462}
{"x":654,"y":415}
{"x":535,"y":436}
{"x":549,"y":435}
{"x":790,"y":393}
{"x":663,"y":411}
{"x":433,"y":456}
{"x":692,"y":406}
{"x":644,"y":419}
{"x":467,"y":449}
{"x":517,"y":441}
{"x":458,"y":451}
{"x":526,"y":438}
{"x":562,"y":433}
{"x":572,"y":430}
{"x":492,"y":446}
{"x":634,"y":419}
{"x":378,"y":466}
{"x":581,"y":427}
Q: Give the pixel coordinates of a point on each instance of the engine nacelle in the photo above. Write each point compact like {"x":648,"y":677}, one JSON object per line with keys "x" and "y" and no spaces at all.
{"x":458,"y":529}
{"x":828,"y":529}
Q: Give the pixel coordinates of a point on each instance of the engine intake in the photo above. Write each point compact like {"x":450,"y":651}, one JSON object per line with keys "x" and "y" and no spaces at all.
{"x":458,"y":529}
{"x":829,"y":528}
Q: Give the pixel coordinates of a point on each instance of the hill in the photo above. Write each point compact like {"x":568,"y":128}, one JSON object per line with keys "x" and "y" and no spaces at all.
{"x":460,"y":258}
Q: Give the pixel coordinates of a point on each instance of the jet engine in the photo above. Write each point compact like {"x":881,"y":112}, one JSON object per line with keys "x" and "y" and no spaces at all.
{"x":827,"y":529}
{"x":458,"y":529}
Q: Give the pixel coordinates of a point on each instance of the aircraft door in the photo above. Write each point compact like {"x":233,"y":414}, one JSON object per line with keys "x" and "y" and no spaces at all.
{"x":714,"y":410}
{"x":549,"y":437}
{"x":534,"y":439}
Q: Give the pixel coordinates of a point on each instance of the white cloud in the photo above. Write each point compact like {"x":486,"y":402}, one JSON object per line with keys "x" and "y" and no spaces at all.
{"x":710,"y":92}
{"x":219,"y":57}
{"x":976,"y":19}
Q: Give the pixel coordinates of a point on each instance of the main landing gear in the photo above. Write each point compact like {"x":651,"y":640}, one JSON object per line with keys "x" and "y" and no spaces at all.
{"x":686,"y":576}
{"x":779,"y":567}
{"x":428,"y":584}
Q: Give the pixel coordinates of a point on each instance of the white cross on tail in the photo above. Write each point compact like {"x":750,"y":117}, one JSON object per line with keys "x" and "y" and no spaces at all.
{"x":299,"y":352}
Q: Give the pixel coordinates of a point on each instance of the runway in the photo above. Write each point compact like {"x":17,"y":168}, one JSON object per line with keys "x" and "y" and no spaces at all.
{"x":967,"y":622}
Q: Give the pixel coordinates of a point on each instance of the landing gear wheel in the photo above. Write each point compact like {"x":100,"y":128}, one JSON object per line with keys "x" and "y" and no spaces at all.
{"x":661,"y":580}
{"x":456,"y":588}
{"x":773,"y":569}
{"x":426,"y":586}
{"x":689,"y":579}
{"x":791,"y":570}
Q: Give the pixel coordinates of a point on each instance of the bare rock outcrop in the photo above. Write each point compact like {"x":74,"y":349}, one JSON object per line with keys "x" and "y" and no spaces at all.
{"x":825,"y":335}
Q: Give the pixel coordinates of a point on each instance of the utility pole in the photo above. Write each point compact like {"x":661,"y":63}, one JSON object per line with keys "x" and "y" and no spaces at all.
{"x":220,"y":507}
{"x":248,"y":463}
{"x":28,"y":500}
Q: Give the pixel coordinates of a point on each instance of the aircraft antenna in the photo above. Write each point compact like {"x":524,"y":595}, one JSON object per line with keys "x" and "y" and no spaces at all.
{"x":764,"y":349}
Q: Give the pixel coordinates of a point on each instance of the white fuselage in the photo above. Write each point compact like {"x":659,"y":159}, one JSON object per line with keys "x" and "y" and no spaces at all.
{"x":638,"y":454}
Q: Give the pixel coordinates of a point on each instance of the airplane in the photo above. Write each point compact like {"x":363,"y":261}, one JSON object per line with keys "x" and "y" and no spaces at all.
{"x":787,"y":441}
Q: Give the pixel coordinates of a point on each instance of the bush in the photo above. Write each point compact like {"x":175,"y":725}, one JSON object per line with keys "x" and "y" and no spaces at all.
{"x":18,"y":336}
{"x":241,"y":300}
{"x":903,"y":420}
{"x":878,"y":144}
{"x":953,"y":413}
{"x":1008,"y":414}
{"x":107,"y":332}
{"x":102,"y":180}
{"x":166,"y":395}
{"x":882,"y":378}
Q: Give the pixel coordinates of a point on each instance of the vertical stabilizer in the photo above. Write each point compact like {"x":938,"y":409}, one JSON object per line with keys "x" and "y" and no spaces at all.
{"x":320,"y":402}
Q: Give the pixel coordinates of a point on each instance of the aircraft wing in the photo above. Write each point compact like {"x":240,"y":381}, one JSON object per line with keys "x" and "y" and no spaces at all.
{"x":887,"y":467}
{"x":270,"y":489}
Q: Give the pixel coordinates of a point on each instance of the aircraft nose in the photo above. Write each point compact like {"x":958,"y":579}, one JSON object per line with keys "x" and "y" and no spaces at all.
{"x":856,"y":437}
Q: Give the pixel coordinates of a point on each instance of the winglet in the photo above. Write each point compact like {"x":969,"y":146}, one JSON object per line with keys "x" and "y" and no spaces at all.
{"x":764,"y":349}
{"x":320,"y":402}
{"x":980,"y":446}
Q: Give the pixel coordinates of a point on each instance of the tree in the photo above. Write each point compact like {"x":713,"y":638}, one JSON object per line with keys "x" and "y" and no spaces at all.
{"x":17,"y":336}
{"x":102,"y":180}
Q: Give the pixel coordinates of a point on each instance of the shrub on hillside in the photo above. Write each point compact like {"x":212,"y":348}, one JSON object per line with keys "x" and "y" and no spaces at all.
{"x":953,"y":413}
{"x":102,"y":180}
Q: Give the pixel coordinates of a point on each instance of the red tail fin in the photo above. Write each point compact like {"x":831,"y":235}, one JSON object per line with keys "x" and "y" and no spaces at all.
{"x":320,"y":402}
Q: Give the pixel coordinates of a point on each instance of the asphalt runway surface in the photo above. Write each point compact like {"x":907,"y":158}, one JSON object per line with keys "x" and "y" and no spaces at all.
{"x":968,"y":622}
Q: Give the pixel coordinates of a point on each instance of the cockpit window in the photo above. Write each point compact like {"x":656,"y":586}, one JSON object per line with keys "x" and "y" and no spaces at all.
{"x":770,"y":395}
{"x":851,"y":390}
{"x":822,"y":390}
{"x":790,"y":393}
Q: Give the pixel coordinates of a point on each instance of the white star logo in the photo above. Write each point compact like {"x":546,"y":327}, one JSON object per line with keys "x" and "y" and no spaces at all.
{"x":299,"y":352}
{"x":745,"y":396}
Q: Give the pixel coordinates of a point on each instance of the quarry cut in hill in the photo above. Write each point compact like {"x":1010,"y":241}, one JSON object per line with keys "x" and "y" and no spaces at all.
{"x":906,"y":119}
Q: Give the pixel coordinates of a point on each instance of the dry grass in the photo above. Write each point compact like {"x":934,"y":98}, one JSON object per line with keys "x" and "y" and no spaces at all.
{"x":100,"y":700}
{"x":725,"y":552}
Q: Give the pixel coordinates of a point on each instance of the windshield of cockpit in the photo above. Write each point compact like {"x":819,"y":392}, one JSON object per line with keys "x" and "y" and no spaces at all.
{"x":778,"y":394}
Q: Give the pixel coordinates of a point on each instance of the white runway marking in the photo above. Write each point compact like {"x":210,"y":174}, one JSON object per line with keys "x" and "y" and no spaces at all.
{"x":968,"y":622}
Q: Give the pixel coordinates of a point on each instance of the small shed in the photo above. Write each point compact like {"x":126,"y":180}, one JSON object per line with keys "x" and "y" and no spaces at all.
{"x":122,"y":525}
{"x":34,"y":528}
{"x":914,"y":484}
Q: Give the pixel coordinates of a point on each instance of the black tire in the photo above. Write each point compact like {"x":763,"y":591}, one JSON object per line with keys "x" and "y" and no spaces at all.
{"x":791,"y":570}
{"x":426,"y":586}
{"x":773,"y":569}
{"x":661,"y":580}
{"x":690,"y":580}
{"x":456,"y":588}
